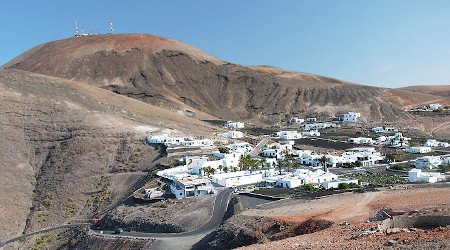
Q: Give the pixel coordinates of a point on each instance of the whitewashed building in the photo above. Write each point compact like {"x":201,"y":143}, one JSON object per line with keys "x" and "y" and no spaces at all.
{"x":287,"y":135}
{"x":289,"y":182}
{"x":311,"y":119}
{"x":435,"y":143}
{"x":225,"y":160}
{"x":351,"y":117}
{"x":361,"y":140}
{"x":435,"y":106}
{"x":242,"y":147}
{"x":238,"y":178}
{"x":233,"y":134}
{"x":418,"y":150}
{"x":310,"y":133}
{"x":197,"y":143}
{"x":231,"y":124}
{"x":319,"y":126}
{"x":295,"y":119}
{"x":335,"y":183}
{"x":416,"y":175}
{"x":184,"y":186}
{"x":164,"y":139}
{"x":427,"y":162}
{"x":315,"y":177}
{"x":377,"y":130}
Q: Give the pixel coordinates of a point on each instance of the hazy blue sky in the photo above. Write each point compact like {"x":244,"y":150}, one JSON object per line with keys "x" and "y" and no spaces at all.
{"x":382,"y":42}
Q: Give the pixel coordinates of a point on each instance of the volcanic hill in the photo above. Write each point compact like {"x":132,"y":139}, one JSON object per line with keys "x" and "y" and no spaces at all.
{"x":173,"y":75}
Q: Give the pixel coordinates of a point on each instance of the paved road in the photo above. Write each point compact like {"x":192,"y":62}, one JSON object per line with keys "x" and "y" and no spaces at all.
{"x":184,"y":239}
{"x":44,"y":231}
{"x":259,"y":146}
{"x":220,"y":207}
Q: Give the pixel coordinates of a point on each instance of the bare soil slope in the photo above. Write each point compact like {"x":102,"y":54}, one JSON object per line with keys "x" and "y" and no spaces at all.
{"x":70,"y":150}
{"x":171,"y":74}
{"x":438,"y":90}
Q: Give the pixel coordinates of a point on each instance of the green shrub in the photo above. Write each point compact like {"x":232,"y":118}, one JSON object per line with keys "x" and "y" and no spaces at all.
{"x":344,"y":185}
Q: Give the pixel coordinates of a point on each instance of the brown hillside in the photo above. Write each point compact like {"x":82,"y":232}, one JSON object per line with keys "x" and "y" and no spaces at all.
{"x":71,"y":150}
{"x":439,"y":90}
{"x":170,"y":74}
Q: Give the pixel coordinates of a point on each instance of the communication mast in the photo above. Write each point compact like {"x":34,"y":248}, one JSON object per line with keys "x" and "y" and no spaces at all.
{"x":76,"y":28}
{"x":111,"y":28}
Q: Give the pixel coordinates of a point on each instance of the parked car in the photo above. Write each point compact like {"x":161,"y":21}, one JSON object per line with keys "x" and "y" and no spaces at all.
{"x":118,"y":230}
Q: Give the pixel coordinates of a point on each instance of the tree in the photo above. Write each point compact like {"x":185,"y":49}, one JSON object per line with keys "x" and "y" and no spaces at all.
{"x":220,"y":168}
{"x":280,"y":164}
{"x":358,"y":164}
{"x":391,"y":158}
{"x":225,"y":169}
{"x":224,"y":150}
{"x":324,"y":161}
{"x":439,"y":110}
{"x":247,"y":163}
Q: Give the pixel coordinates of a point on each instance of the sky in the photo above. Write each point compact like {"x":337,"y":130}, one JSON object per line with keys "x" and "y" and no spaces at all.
{"x":387,"y":43}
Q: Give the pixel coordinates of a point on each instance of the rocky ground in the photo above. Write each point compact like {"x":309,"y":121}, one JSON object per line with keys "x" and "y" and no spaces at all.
{"x":337,"y":221}
{"x":70,"y":152}
{"x":162,"y":217}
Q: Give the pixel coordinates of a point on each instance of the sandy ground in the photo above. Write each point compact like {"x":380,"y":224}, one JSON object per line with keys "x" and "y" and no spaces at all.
{"x":354,"y":206}
{"x":357,"y":208}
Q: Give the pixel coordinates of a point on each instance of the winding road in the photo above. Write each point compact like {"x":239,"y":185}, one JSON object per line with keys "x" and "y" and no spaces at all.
{"x":183,"y":240}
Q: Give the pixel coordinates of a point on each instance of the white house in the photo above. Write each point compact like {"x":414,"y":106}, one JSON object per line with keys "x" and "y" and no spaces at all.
{"x":351,"y":117}
{"x":289,"y":182}
{"x":233,"y":134}
{"x":418,"y":150}
{"x":231,"y":124}
{"x":416,"y":175}
{"x":242,"y":147}
{"x":225,"y":160}
{"x":295,"y":119}
{"x":288,"y":135}
{"x":184,"y":186}
{"x":435,"y":143}
{"x":427,"y":162}
{"x":164,"y":139}
{"x":446,"y":160}
{"x":378,"y":130}
{"x":335,"y":183}
{"x":319,"y":126}
{"x":272,"y":153}
{"x":435,"y":106}
{"x":397,"y":140}
{"x":310,"y":133}
{"x":361,"y":140}
{"x":238,"y":178}
{"x":197,"y":143}
{"x":315,"y":177}
{"x":311,"y":119}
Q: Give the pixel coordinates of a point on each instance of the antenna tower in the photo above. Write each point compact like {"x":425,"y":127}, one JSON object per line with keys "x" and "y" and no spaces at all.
{"x":76,"y":28}
{"x":111,"y":28}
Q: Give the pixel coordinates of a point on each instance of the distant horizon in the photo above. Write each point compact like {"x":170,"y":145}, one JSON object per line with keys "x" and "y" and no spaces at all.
{"x":385,"y":43}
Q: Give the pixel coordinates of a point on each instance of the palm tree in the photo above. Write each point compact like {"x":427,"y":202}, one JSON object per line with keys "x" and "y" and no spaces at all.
{"x":280,"y":165}
{"x":324,"y":161}
{"x":220,"y":168}
{"x":225,"y":169}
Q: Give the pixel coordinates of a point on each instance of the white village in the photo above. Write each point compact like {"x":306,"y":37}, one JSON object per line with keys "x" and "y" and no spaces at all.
{"x":275,"y":161}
